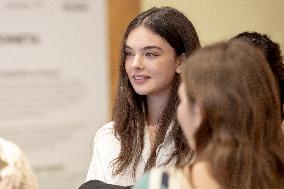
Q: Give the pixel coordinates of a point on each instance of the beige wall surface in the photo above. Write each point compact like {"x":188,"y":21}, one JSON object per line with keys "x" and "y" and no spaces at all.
{"x":222,"y":19}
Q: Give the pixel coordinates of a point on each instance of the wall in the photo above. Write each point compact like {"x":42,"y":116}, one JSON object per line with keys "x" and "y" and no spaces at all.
{"x":119,"y":14}
{"x":222,"y":19}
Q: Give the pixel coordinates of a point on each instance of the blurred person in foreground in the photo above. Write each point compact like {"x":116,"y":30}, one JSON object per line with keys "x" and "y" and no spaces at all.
{"x":15,"y":171}
{"x":230,"y":113}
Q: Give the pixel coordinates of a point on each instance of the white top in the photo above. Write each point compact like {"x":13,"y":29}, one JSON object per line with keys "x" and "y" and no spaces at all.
{"x":107,"y":148}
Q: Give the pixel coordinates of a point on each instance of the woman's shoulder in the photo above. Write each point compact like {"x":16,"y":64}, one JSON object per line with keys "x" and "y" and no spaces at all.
{"x":106,"y":130}
{"x":105,"y":135}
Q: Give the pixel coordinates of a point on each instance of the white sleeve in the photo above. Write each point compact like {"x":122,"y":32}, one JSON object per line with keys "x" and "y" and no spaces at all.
{"x":105,"y":150}
{"x":96,"y":171}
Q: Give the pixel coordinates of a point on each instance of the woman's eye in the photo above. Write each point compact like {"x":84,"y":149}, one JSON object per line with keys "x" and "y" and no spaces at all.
{"x":151,"y":54}
{"x":129,"y":54}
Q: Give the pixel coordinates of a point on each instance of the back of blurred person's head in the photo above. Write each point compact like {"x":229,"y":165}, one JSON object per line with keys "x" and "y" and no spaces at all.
{"x":272,"y":52}
{"x":239,"y":133}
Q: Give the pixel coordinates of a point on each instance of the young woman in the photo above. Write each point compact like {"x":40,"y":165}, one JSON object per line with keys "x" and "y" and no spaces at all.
{"x":144,"y":132}
{"x":230,"y":114}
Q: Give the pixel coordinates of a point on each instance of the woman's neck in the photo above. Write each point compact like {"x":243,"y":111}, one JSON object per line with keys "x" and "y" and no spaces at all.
{"x":202,"y":177}
{"x":155,"y":106}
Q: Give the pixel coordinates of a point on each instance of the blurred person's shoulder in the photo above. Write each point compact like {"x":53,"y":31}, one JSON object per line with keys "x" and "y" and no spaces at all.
{"x":15,"y":171}
{"x":178,"y":178}
{"x":10,"y":153}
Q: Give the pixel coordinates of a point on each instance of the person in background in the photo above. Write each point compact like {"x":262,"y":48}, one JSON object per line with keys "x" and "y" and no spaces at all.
{"x":272,"y":52}
{"x":144,"y":132}
{"x":230,"y":113}
{"x":15,"y":171}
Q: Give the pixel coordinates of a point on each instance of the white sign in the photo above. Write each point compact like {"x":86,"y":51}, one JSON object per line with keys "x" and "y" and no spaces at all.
{"x":53,"y":84}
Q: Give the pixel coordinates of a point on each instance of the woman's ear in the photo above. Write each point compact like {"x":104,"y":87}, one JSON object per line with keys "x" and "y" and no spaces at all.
{"x":180,"y":60}
{"x":178,"y":70}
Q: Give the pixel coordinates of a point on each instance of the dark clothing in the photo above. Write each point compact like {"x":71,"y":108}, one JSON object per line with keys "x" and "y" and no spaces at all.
{"x":96,"y":184}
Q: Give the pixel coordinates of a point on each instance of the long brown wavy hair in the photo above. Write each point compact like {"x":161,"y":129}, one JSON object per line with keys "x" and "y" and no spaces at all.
{"x":128,"y":115}
{"x":240,"y":134}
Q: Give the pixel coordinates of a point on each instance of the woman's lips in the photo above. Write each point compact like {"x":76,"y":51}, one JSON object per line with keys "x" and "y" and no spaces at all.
{"x":140,"y":79}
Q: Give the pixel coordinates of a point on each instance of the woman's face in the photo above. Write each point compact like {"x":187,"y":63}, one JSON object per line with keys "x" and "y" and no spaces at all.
{"x":150,"y":63}
{"x":188,"y":116}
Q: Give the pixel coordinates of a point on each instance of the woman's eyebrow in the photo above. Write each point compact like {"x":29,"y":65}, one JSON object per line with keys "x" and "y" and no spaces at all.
{"x":127,"y":47}
{"x":153,"y":47}
{"x":150,"y":47}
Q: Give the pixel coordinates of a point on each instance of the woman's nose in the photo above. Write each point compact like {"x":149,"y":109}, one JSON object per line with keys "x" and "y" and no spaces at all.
{"x":138,"y":62}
